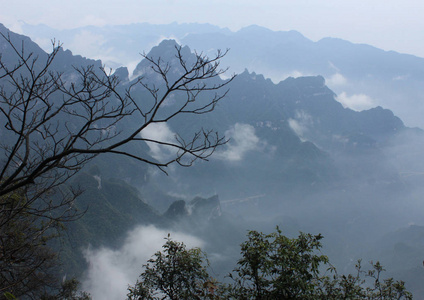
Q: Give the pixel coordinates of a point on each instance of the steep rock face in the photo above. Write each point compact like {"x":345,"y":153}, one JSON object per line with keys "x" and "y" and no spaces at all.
{"x":65,"y":62}
{"x":209,"y":208}
{"x":308,"y":107}
{"x":18,"y":40}
{"x":110,"y":208}
{"x":120,"y":44}
{"x":122,"y":73}
{"x":198,"y":209}
{"x":283,"y":137}
{"x":176,"y":210}
{"x":165,"y":53}
{"x":290,"y":51}
{"x":113,"y":207}
{"x":315,"y":115}
{"x":288,"y":143}
{"x":284,"y":132}
{"x":384,"y":78}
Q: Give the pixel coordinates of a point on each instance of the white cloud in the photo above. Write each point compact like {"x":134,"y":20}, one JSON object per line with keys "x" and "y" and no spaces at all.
{"x":356,"y":102}
{"x":277,"y":76}
{"x":162,"y":133}
{"x":111,"y":271}
{"x":336,"y":80}
{"x":296,"y":74}
{"x":87,"y":43}
{"x":300,"y":123}
{"x":298,"y":128}
{"x":131,"y":67}
{"x":44,"y":43}
{"x":242,"y":140}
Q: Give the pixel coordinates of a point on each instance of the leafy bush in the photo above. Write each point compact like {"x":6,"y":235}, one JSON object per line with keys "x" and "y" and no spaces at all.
{"x":272,"y":266}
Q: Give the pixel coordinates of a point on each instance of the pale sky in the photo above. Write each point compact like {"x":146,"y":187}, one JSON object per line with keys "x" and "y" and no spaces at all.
{"x":388,"y":24}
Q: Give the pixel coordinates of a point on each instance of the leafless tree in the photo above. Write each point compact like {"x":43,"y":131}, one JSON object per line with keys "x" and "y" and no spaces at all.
{"x":53,"y":123}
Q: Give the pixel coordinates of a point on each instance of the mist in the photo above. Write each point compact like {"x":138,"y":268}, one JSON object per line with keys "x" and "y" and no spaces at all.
{"x":111,"y":271}
{"x":242,"y":139}
{"x":162,"y":133}
{"x":323,"y":137}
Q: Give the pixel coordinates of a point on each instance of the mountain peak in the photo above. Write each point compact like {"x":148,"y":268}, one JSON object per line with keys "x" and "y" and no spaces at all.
{"x":317,"y":81}
{"x":122,"y":73}
{"x":254,"y":28}
{"x":168,"y":43}
{"x":258,"y":32}
{"x":166,"y":51}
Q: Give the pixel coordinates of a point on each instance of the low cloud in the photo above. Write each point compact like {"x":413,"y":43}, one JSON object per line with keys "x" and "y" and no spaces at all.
{"x":301,"y":123}
{"x":110,"y":272}
{"x":87,"y":43}
{"x":94,"y":46}
{"x":13,"y":24}
{"x":297,"y":127}
{"x":295,"y":74}
{"x":44,"y":43}
{"x":277,"y":76}
{"x":242,"y":140}
{"x":131,"y":67}
{"x":356,"y":102}
{"x":162,"y":133}
{"x":336,"y":80}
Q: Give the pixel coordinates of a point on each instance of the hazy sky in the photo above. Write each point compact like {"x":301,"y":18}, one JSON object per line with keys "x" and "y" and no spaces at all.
{"x":389,"y":24}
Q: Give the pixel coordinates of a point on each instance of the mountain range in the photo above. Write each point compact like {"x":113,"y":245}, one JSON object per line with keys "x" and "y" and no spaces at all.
{"x":296,"y":156}
{"x":361,"y":75}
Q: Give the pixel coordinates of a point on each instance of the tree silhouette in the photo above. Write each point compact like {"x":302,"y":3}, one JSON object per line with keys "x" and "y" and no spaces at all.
{"x":54,"y":122}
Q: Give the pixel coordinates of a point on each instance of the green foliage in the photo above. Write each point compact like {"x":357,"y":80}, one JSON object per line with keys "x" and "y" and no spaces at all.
{"x":272,"y":266}
{"x":27,"y":264}
{"x":68,"y":291}
{"x":175,"y":273}
{"x":362,"y":285}
{"x":9,"y":296}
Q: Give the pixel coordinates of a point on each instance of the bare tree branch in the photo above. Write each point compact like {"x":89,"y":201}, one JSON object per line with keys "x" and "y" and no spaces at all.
{"x":53,"y":123}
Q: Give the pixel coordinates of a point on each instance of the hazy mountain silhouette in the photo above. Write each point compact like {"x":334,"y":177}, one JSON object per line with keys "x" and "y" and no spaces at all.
{"x":363,"y":76}
{"x":295,"y":156}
